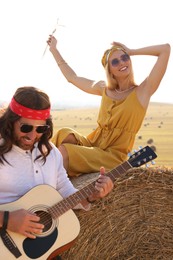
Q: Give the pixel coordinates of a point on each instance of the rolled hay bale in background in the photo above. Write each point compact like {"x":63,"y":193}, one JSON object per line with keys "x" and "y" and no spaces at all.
{"x":135,"y":221}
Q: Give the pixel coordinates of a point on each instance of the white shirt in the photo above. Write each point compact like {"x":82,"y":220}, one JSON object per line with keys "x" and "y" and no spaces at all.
{"x":22,"y":173}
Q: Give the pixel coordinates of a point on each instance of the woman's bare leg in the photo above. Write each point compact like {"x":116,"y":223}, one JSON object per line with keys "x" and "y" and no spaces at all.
{"x":64,"y":153}
{"x":69,"y":139}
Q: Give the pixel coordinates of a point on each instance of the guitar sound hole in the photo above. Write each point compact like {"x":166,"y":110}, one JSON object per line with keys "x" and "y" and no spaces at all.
{"x":45,"y":219}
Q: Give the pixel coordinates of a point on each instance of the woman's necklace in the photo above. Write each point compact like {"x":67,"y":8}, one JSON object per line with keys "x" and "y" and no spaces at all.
{"x":123,"y":91}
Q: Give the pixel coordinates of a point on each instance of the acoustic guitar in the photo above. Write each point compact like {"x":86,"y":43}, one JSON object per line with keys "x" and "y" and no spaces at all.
{"x":61,"y":224}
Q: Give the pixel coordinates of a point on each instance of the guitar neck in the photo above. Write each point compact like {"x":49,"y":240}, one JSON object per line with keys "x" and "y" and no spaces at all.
{"x":74,"y":199}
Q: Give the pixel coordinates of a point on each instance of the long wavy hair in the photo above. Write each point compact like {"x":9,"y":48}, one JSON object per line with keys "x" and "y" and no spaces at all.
{"x":33,"y":98}
{"x":112,"y":82}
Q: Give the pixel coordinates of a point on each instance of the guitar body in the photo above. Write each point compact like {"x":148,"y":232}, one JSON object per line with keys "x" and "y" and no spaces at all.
{"x":58,"y":233}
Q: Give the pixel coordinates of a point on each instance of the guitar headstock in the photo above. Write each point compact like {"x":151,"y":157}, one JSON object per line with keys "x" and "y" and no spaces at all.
{"x":142,"y":156}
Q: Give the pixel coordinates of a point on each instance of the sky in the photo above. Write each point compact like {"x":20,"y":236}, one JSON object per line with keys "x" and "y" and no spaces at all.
{"x":85,"y":30}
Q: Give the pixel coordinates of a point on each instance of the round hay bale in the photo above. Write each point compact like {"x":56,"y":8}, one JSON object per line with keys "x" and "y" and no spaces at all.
{"x":135,"y":221}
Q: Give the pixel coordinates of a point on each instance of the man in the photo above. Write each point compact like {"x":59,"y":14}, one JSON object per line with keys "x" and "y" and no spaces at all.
{"x":28,"y":159}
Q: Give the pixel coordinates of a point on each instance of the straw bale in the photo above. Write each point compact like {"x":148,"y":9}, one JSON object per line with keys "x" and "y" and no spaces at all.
{"x":135,"y":221}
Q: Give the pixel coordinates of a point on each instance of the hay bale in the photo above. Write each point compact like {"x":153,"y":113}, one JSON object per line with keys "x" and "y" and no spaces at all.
{"x":135,"y":221}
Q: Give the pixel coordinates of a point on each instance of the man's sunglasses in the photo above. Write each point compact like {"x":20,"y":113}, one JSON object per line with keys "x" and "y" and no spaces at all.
{"x":40,"y":129}
{"x":115,"y":62}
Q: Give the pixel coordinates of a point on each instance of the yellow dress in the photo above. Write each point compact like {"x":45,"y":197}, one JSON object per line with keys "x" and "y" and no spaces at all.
{"x":109,"y":144}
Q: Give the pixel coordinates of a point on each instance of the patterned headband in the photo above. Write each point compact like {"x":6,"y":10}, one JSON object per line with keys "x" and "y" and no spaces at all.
{"x":108,"y":53}
{"x":28,"y":112}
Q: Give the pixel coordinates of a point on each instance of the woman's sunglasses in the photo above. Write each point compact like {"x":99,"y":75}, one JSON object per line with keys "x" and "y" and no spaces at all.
{"x":115,"y":62}
{"x":40,"y":129}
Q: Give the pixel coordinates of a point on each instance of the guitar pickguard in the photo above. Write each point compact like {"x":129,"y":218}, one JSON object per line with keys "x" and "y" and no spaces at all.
{"x":35,"y":248}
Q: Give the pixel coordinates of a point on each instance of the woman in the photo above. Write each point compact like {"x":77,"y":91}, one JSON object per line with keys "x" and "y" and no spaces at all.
{"x":122,"y":110}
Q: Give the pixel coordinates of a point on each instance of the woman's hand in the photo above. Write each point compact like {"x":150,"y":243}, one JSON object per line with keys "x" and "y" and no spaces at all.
{"x":121,"y":45}
{"x":25,"y":223}
{"x":52,"y":42}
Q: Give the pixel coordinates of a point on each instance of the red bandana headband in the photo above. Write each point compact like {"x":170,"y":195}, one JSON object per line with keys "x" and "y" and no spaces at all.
{"x":28,"y":112}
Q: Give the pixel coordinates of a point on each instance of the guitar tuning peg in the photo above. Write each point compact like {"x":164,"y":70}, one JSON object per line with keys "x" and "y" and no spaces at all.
{"x":153,"y":162}
{"x":129,"y":154}
{"x":147,"y":165}
{"x":140,"y":147}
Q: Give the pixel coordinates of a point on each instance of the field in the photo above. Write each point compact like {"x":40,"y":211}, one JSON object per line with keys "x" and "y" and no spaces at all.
{"x":156,"y":130}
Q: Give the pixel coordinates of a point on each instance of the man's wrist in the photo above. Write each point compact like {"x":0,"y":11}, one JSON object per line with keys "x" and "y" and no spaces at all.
{"x":5,"y":220}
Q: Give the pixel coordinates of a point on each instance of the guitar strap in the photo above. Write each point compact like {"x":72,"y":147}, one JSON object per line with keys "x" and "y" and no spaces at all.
{"x":9,"y":243}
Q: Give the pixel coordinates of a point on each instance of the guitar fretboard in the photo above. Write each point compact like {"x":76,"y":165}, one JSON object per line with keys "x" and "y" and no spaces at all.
{"x":70,"y":202}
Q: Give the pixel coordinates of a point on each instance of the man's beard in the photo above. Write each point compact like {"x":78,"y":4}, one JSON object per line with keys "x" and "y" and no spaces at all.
{"x":25,"y":143}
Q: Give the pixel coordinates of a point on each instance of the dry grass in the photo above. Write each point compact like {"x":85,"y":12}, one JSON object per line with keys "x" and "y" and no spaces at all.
{"x":134,"y":222}
{"x":157,"y":125}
